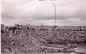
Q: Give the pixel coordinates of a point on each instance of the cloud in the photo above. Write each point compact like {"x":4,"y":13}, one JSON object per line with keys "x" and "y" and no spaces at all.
{"x":68,"y":12}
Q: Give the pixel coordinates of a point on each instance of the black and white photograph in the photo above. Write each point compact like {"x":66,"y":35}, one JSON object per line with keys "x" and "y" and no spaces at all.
{"x":43,"y":27}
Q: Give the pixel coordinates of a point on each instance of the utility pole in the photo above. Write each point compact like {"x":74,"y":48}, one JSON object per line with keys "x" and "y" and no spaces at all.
{"x":20,"y":21}
{"x":54,"y":12}
{"x":54,"y":5}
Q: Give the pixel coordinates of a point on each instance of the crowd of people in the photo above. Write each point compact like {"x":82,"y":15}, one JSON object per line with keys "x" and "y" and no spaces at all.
{"x":35,"y":36}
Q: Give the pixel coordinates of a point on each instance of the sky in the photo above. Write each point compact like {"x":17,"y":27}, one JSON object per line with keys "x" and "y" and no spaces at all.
{"x":35,"y":12}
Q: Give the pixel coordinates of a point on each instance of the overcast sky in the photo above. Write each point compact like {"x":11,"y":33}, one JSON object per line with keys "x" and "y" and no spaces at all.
{"x":69,"y":12}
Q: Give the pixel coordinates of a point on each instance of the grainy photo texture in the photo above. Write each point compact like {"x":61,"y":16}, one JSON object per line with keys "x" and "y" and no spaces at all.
{"x":43,"y":27}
